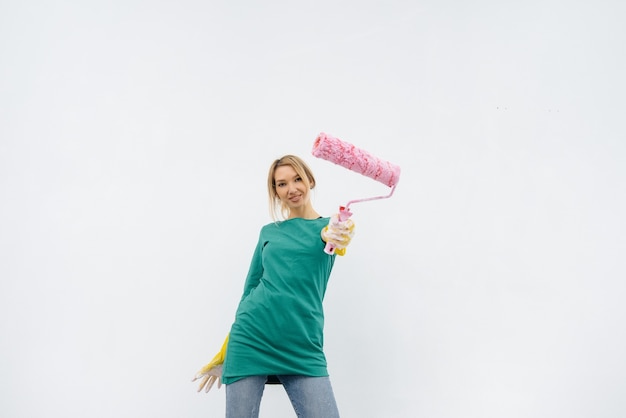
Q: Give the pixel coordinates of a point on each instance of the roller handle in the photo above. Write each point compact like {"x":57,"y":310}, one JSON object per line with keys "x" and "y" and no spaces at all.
{"x":344,"y":214}
{"x":329,"y":249}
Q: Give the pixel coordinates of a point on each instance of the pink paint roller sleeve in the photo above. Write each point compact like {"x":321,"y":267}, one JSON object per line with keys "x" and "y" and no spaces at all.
{"x":355,"y":159}
{"x":360,"y":161}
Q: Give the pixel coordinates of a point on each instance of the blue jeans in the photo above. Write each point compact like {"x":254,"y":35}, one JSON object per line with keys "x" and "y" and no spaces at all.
{"x":311,"y":397}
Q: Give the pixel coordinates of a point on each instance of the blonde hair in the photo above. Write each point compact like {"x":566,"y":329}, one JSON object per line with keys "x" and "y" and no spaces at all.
{"x":299,"y":167}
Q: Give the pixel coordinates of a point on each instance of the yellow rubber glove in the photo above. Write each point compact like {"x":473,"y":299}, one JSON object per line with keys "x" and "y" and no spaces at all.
{"x":338,"y":233}
{"x":212,"y":372}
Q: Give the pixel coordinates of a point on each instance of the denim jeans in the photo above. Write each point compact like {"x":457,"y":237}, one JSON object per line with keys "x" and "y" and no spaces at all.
{"x":311,"y":397}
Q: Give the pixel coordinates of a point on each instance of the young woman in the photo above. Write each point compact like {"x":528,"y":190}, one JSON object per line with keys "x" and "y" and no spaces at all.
{"x":277,"y":334}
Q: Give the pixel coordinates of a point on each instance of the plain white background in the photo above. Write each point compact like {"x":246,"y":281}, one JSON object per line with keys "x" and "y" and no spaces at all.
{"x":135,"y":138}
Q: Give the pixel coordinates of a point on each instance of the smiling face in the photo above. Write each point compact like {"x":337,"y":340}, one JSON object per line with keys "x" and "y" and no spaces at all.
{"x":289,"y":184}
{"x":291,"y":189}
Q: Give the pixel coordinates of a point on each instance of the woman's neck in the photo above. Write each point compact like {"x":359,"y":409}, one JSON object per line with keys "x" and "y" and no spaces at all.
{"x":304,"y":213}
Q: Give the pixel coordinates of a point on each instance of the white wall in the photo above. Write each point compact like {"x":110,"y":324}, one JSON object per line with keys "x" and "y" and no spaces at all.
{"x":134,"y":143}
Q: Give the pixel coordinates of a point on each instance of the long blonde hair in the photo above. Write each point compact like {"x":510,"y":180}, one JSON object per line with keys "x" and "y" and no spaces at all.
{"x":299,"y":167}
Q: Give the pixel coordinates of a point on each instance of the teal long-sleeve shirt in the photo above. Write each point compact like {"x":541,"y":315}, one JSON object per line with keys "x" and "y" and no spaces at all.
{"x":278,"y":327}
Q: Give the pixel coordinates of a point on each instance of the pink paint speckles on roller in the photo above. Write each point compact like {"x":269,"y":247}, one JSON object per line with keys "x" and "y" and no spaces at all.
{"x":347,"y":155}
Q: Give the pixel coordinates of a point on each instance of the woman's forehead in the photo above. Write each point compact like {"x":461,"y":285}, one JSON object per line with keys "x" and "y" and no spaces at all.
{"x":285,"y":172}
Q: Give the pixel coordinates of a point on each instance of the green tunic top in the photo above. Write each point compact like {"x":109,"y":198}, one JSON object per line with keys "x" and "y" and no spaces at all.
{"x":278,"y":328}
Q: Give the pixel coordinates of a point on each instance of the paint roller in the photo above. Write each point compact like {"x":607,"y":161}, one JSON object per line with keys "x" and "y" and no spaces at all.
{"x":360,"y":161}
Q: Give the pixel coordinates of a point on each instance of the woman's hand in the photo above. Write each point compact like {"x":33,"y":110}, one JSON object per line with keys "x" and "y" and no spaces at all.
{"x":212,"y":372}
{"x":209,"y":375}
{"x":338,"y":233}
